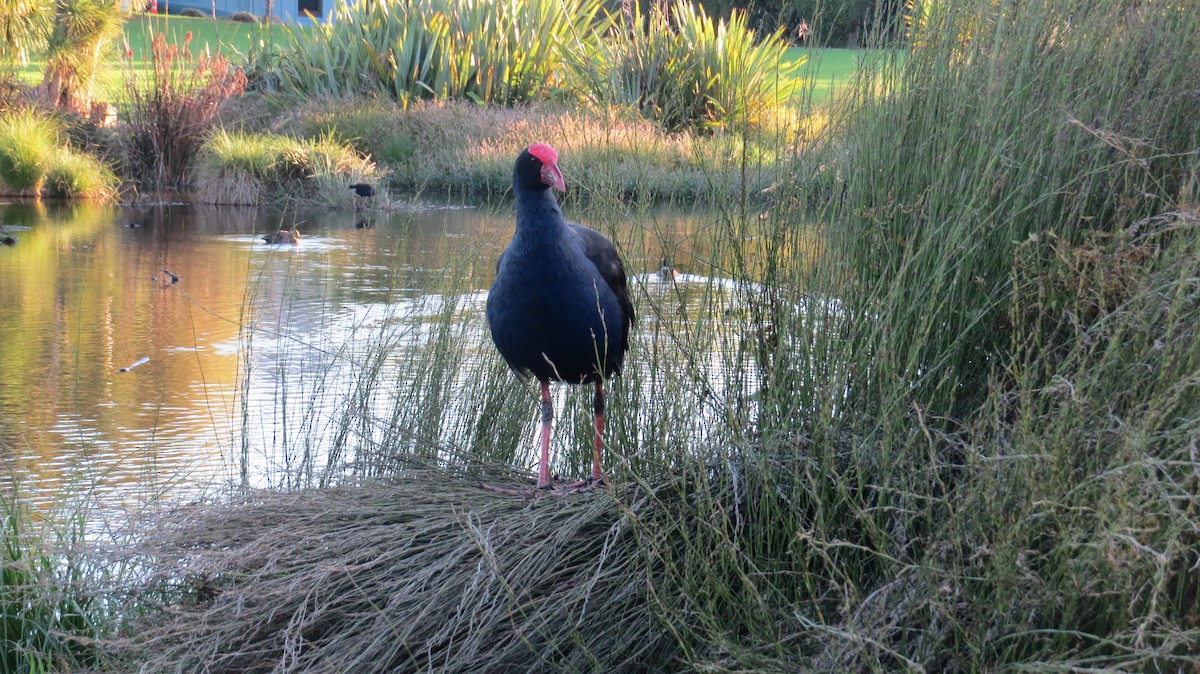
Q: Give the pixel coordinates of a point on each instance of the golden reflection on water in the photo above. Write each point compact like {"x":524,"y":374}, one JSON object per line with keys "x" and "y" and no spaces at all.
{"x":83,"y":294}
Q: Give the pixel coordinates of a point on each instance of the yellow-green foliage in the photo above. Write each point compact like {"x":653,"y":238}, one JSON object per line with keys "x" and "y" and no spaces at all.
{"x":241,"y":168}
{"x":33,"y":161}
{"x":27,"y":146}
{"x":498,"y":52}
{"x":73,"y":174}
{"x":685,"y":69}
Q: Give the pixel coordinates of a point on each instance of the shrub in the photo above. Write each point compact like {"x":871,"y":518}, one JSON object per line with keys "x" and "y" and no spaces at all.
{"x":170,"y":114}
{"x":243,"y":17}
{"x":193,"y":12}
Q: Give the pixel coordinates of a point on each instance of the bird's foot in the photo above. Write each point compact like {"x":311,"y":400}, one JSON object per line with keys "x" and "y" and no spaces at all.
{"x":580,"y":487}
{"x":587,"y":483}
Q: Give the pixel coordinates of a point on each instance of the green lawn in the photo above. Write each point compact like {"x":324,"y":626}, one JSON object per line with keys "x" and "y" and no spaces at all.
{"x":232,"y":38}
{"x":827,"y":69}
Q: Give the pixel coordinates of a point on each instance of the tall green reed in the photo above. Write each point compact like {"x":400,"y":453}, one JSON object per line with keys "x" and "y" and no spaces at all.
{"x":49,"y":615}
{"x":1001,"y":125}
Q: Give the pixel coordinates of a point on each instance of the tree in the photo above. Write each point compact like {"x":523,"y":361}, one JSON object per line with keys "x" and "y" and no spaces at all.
{"x":75,"y":47}
{"x":24,"y":27}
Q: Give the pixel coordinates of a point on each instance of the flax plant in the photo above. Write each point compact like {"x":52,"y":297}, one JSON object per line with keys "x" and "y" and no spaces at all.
{"x":487,"y":52}
{"x":687,"y":70}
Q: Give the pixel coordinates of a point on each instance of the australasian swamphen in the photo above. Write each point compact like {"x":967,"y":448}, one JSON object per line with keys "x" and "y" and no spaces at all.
{"x":364,"y":190}
{"x":559,"y":308}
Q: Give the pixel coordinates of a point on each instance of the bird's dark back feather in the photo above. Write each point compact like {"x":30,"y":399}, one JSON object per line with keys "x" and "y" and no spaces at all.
{"x":559,"y":307}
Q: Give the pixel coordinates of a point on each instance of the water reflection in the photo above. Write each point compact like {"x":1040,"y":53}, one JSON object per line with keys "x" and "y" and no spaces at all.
{"x":236,"y":333}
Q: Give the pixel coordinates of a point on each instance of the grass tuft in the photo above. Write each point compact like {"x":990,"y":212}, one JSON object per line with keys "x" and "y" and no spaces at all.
{"x":28,"y":144}
{"x":34,"y":160}
{"x":258,"y":168}
{"x":424,"y":572}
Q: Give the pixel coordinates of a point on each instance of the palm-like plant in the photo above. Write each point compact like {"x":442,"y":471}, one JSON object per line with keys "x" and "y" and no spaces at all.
{"x":81,"y":31}
{"x":24,"y":27}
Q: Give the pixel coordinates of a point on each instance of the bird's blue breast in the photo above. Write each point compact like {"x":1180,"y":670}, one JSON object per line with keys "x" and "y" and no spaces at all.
{"x":550,"y":311}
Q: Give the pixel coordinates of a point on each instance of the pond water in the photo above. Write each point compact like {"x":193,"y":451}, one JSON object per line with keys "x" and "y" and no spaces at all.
{"x":125,"y":363}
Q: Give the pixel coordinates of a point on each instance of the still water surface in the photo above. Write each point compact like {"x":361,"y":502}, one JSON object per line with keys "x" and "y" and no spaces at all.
{"x":84,"y":294}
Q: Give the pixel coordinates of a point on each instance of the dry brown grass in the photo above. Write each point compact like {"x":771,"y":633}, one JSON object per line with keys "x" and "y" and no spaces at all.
{"x":425,"y":573}
{"x":462,"y":146}
{"x":236,"y":187}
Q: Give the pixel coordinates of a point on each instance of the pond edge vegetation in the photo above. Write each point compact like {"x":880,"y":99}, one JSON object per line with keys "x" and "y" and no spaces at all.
{"x":495,"y":55}
{"x":979,"y":456}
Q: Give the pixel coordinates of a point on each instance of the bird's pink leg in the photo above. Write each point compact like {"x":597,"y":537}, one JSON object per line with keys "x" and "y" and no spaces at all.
{"x":598,"y":409}
{"x":597,"y":448}
{"x":547,"y":418}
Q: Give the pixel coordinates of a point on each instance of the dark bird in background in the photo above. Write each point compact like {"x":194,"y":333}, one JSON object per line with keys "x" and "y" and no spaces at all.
{"x":364,"y":190}
{"x":8,"y":240}
{"x":134,"y":225}
{"x":283,"y":236}
{"x":559,"y":308}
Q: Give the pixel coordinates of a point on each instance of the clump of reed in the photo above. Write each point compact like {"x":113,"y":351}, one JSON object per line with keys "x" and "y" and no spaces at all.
{"x":36,"y":161}
{"x":240,"y":168}
{"x":49,"y":619}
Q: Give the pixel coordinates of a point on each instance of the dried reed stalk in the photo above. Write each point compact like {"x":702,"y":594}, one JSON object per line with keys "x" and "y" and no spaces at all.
{"x":427,"y":573}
